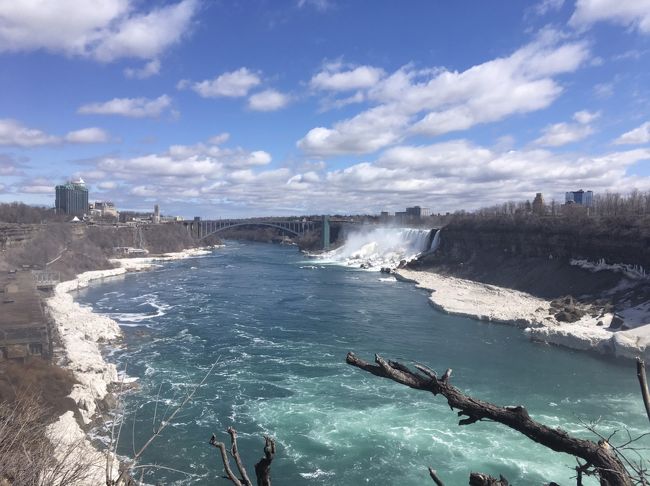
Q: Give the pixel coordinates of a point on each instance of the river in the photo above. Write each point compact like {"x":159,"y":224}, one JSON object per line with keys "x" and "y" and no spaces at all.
{"x":281,"y":324}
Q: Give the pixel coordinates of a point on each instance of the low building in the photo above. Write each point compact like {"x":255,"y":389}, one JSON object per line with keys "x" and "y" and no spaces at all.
{"x":103,"y":209}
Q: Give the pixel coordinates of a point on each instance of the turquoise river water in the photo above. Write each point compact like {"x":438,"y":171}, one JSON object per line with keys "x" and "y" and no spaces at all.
{"x":282,"y":325}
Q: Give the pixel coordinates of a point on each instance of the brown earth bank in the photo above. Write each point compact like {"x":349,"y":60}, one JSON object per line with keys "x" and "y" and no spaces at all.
{"x":71,"y":249}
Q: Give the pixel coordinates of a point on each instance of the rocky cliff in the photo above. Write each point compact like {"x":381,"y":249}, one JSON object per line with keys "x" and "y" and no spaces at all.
{"x":534,"y":254}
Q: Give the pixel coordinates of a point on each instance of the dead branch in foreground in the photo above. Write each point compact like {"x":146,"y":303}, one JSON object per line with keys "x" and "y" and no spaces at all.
{"x":643,"y":382}
{"x":600,"y":456}
{"x":262,"y":468}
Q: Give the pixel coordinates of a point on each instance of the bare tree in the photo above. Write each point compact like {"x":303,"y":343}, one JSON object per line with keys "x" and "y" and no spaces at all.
{"x":29,"y":458}
{"x":599,"y":458}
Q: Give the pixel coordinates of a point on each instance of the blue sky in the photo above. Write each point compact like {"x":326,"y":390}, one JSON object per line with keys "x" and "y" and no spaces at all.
{"x":226,"y":108}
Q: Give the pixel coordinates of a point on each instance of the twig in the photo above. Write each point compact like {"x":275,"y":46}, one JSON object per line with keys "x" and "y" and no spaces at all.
{"x":165,"y":423}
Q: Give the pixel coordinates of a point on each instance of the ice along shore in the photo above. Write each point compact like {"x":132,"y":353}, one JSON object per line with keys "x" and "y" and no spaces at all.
{"x":497,"y":304}
{"x":81,"y":334}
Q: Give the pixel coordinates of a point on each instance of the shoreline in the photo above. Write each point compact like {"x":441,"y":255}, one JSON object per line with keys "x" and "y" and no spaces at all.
{"x":81,"y":335}
{"x":532,"y":314}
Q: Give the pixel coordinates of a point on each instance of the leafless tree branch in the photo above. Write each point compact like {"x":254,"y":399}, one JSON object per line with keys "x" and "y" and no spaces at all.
{"x":601,"y":455}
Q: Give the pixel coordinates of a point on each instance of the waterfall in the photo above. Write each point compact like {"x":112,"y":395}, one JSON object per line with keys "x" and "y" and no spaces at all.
{"x":435,"y":243}
{"x":382,"y":247}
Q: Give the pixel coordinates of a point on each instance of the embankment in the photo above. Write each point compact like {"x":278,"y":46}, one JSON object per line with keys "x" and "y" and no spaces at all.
{"x":82,"y":334}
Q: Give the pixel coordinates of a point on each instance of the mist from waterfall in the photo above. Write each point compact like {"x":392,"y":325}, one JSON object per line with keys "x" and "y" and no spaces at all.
{"x":381,"y":247}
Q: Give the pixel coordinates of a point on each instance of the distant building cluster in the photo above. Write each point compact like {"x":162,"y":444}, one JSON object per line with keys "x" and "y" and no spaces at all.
{"x":72,"y":199}
{"x":410,"y":215}
{"x":579,"y":200}
{"x":583,"y":198}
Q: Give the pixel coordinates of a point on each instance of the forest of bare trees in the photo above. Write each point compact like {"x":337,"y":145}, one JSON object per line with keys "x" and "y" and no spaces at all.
{"x":606,"y":205}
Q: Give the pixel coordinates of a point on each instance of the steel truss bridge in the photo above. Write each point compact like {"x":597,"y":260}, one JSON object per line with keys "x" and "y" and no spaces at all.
{"x":203,"y":229}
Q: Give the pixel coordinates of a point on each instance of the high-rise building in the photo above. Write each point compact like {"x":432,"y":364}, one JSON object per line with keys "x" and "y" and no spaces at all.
{"x":72,"y":198}
{"x":584,"y":198}
{"x":156,"y":214}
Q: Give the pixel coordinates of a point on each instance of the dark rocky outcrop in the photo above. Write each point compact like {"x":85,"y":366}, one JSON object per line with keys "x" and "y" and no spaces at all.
{"x":533,"y":254}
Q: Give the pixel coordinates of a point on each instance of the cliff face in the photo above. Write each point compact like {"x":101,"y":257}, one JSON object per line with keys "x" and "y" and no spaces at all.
{"x":614,"y":241}
{"x":534,"y":255}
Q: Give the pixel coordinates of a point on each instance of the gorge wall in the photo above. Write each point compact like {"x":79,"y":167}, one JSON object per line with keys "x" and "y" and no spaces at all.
{"x":534,"y":254}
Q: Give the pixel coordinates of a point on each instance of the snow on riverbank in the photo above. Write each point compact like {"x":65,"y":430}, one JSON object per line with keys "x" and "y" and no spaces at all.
{"x":82,"y":333}
{"x":491,"y":303}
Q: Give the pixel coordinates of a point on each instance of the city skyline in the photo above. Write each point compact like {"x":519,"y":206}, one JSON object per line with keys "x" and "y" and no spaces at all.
{"x":222,"y":109}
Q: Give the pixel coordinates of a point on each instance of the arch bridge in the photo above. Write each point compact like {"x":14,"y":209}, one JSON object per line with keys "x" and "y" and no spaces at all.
{"x":204,"y":228}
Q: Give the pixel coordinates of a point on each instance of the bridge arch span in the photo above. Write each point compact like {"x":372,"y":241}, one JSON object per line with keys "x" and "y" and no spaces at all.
{"x":252,"y":223}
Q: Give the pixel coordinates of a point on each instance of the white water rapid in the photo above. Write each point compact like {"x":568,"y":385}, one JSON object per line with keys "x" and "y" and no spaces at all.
{"x":382,"y":247}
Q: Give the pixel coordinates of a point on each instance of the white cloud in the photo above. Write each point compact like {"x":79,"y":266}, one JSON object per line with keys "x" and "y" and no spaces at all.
{"x":103,"y":30}
{"x":149,"y":69}
{"x":219,"y":139}
{"x":559,"y":134}
{"x":40,"y":185}
{"x":367,"y":132}
{"x":444,"y":176}
{"x":107,"y":185}
{"x":630,"y":13}
{"x":88,"y":135}
{"x":546,"y":6}
{"x":432,"y":102}
{"x":638,"y":135}
{"x":130,"y":107}
{"x":563,"y":133}
{"x":604,"y":90}
{"x":585,"y":116}
{"x":268,"y":100}
{"x":320,"y":5}
{"x":232,"y":84}
{"x":14,"y":133}
{"x":9,"y":166}
{"x":334,"y":79}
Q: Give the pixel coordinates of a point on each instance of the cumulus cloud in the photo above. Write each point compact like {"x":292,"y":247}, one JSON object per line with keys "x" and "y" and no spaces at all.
{"x":444,"y":176}
{"x":39,"y":185}
{"x":559,"y":134}
{"x":630,"y":13}
{"x":268,"y":100}
{"x":233,"y":84}
{"x":14,"y":133}
{"x":636,"y":136}
{"x":435,"y":101}
{"x":104,"y":30}
{"x":334,"y":77}
{"x":149,"y":69}
{"x":88,"y":135}
{"x":130,"y":107}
